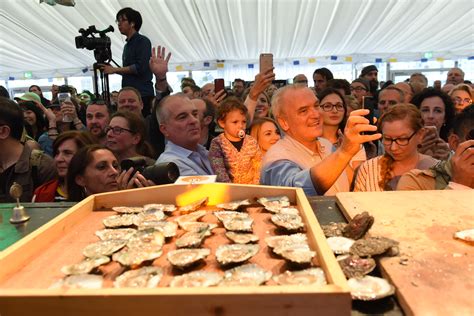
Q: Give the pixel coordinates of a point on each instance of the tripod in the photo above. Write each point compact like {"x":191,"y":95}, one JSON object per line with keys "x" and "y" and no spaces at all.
{"x":104,"y":83}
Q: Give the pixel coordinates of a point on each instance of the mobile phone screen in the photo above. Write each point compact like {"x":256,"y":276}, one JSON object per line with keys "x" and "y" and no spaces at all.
{"x":218,"y":85}
{"x":369,"y":104}
{"x":266,"y":62}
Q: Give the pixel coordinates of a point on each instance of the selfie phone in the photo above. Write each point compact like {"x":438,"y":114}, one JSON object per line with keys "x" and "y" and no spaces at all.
{"x":369,"y":104}
{"x":218,"y":85}
{"x":266,"y":62}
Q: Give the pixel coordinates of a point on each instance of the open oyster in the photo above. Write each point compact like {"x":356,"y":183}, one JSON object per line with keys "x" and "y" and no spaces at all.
{"x":234,"y":205}
{"x":274,"y":204}
{"x":290,"y":222}
{"x":103,"y":248}
{"x":355,"y":267}
{"x":191,"y":239}
{"x":358,"y":226}
{"x":235,"y":221}
{"x":235,"y":253}
{"x":311,"y":276}
{"x":191,"y":207}
{"x":117,"y":233}
{"x":372,"y":246}
{"x":146,"y":277}
{"x":85,"y":266}
{"x":282,"y":241}
{"x":167,"y":208}
{"x":143,"y":246}
{"x":150,"y":215}
{"x":228,"y":215}
{"x":183,"y":258}
{"x":246,"y":275}
{"x":149,"y":236}
{"x":128,"y":209}
{"x":196,"y":279}
{"x":198,"y":227}
{"x":369,"y":288}
{"x":79,"y":281}
{"x":297,"y":253}
{"x":191,"y":217}
{"x":118,"y":220}
{"x":340,"y":245}
{"x":466,"y":235}
{"x":240,"y":238}
{"x":167,"y":228}
{"x":333,"y":229}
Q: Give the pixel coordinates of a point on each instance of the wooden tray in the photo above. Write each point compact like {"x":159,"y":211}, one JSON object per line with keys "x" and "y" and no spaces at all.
{"x":434,"y":274}
{"x":32,"y":265}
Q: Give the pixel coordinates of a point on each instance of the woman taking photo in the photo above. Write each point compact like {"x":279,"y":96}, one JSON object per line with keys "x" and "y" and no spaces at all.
{"x":266,"y":132}
{"x":64,"y":148}
{"x":401,"y":126}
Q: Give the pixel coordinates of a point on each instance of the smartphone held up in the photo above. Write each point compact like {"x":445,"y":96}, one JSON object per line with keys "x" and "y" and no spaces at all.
{"x":266,"y":62}
{"x":218,"y":85}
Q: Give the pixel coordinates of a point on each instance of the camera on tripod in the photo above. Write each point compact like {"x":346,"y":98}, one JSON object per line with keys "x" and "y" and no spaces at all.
{"x":100,"y":45}
{"x":162,"y":173}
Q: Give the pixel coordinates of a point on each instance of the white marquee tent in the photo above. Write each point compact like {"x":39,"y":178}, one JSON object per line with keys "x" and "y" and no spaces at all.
{"x":39,"y":38}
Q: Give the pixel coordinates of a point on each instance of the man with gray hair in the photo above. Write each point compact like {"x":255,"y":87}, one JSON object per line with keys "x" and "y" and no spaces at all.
{"x":455,"y":76}
{"x":303,"y":159}
{"x":179,"y":122}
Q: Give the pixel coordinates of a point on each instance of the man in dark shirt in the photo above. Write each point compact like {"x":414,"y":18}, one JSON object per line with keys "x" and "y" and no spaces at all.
{"x":135,"y":59}
{"x":18,"y":163}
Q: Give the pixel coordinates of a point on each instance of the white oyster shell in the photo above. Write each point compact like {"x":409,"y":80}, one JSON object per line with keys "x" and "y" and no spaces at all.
{"x":198,"y":227}
{"x":117,"y":233}
{"x":167,"y":208}
{"x":369,"y":288}
{"x":118,"y":220}
{"x":183,"y":258}
{"x":234,"y":205}
{"x":104,"y":248}
{"x":79,"y":281}
{"x":150,"y":215}
{"x":146,"y":277}
{"x":191,"y":217}
{"x":196,"y":279}
{"x":286,"y":240}
{"x":466,"y":235}
{"x":297,"y":253}
{"x":168,"y":229}
{"x":340,"y":245}
{"x":246,"y":275}
{"x":194,"y":205}
{"x":228,"y":215}
{"x":191,"y":239}
{"x":241,"y":238}
{"x":128,"y":209}
{"x":288,"y":221}
{"x":311,"y":276}
{"x":85,"y":266}
{"x":274,"y":204}
{"x":235,"y":253}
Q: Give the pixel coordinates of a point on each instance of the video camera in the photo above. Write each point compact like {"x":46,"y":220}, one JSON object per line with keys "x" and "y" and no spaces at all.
{"x":162,"y":173}
{"x":100,"y":45}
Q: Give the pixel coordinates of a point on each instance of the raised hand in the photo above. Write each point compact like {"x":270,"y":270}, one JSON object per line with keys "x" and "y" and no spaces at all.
{"x":158,"y":61}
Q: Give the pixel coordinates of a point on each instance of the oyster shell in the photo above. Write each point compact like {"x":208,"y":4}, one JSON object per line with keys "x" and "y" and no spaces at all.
{"x":149,"y":236}
{"x":191,"y":217}
{"x":238,"y":224}
{"x":246,"y":275}
{"x":167,"y":208}
{"x":191,"y":207}
{"x":358,"y":226}
{"x":118,"y":220}
{"x":228,"y":215}
{"x":117,"y":233}
{"x":183,"y":258}
{"x":85,"y":266}
{"x":372,"y":246}
{"x":290,"y":222}
{"x":240,"y":238}
{"x":168,"y":229}
{"x":333,"y":229}
{"x":196,"y":279}
{"x":355,"y":267}
{"x":191,"y":239}
{"x":146,"y":277}
{"x":143,"y":246}
{"x":198,"y":227}
{"x":286,"y":240}
{"x":340,"y":245}
{"x":79,"y":281}
{"x":148,"y":216}
{"x":274,"y":204}
{"x":311,"y":276}
{"x":104,"y":248}
{"x":128,"y":209}
{"x":297,"y":253}
{"x":235,"y":253}
{"x":466,"y":235}
{"x":369,"y":288}
{"x":234,"y":205}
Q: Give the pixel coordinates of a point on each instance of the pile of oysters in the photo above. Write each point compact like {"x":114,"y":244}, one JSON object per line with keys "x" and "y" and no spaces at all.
{"x":135,"y":239}
{"x":355,"y":252}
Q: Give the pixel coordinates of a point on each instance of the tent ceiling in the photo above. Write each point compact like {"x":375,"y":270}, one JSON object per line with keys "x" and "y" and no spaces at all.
{"x":40,"y":38}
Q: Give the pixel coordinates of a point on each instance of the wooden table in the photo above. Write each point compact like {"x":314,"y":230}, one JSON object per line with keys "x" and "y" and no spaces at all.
{"x":434,"y":274}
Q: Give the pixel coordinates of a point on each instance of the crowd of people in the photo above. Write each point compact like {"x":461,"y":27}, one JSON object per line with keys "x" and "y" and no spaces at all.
{"x":318,"y":138}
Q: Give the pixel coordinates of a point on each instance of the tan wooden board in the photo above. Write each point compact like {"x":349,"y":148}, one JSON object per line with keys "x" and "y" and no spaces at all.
{"x":438,"y":275}
{"x":24,"y":284}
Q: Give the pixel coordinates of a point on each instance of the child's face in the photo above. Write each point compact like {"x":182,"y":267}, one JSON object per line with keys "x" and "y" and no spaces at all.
{"x":233,"y":122}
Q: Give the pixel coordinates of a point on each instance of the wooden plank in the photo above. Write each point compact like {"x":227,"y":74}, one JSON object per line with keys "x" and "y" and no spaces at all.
{"x":434,"y":274}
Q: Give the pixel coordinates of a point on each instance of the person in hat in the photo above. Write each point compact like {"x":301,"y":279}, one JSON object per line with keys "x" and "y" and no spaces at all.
{"x":35,"y":123}
{"x":370,"y":73}
{"x":360,"y":88}
{"x":29,"y":96}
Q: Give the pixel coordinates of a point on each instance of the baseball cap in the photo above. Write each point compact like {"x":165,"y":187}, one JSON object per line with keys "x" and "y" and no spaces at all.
{"x":29,"y":96}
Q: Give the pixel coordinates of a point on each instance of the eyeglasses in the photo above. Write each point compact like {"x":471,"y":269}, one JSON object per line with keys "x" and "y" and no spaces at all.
{"x":358,"y":89}
{"x":116,"y":130}
{"x":402,"y":141}
{"x":458,"y":100}
{"x":328,"y":107}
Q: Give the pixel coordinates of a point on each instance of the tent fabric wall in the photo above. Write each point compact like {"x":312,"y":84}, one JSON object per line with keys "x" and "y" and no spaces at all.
{"x":40,"y":38}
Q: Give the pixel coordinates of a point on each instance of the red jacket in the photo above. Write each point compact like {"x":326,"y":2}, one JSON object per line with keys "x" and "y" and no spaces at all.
{"x":46,"y":192}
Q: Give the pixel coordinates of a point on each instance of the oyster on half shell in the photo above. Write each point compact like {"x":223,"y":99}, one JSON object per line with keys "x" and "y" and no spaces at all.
{"x":235,"y":253}
{"x":196,"y":279}
{"x":150,"y":215}
{"x":282,"y":241}
{"x":372,"y":246}
{"x":168,"y":229}
{"x":191,"y":239}
{"x":466,"y":235}
{"x":191,"y":217}
{"x":167,"y":208}
{"x":234,"y":205}
{"x":103,"y":248}
{"x":79,"y":281}
{"x":128,"y":209}
{"x":333,"y":229}
{"x":297,"y":253}
{"x":198,"y":227}
{"x":194,"y":206}
{"x":85,"y":266}
{"x":241,"y":238}
{"x":311,"y":276}
{"x":340,"y":245}
{"x":274,"y":204}
{"x":182,"y":258}
{"x":369,"y":288}
{"x":117,"y":233}
{"x":118,"y":220}
{"x":355,"y":267}
{"x":246,"y":275}
{"x":146,"y":277}
{"x":290,"y":222}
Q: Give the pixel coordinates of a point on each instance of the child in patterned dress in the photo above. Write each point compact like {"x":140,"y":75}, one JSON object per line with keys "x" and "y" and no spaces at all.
{"x":235,"y":157}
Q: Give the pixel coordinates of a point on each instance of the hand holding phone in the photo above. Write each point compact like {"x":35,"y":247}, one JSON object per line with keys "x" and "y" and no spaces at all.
{"x":266,"y":62}
{"x":218,"y":85}
{"x":368,"y":103}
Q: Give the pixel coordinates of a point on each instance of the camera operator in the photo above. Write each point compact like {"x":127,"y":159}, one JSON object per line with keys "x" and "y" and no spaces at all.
{"x":135,"y":59}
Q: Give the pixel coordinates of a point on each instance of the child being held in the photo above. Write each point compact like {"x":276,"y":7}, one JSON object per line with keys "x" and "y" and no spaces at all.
{"x":235,"y":157}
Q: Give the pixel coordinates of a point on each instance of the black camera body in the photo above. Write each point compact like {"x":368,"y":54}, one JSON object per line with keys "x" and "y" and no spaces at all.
{"x":162,"y":173}
{"x":100,"y":45}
